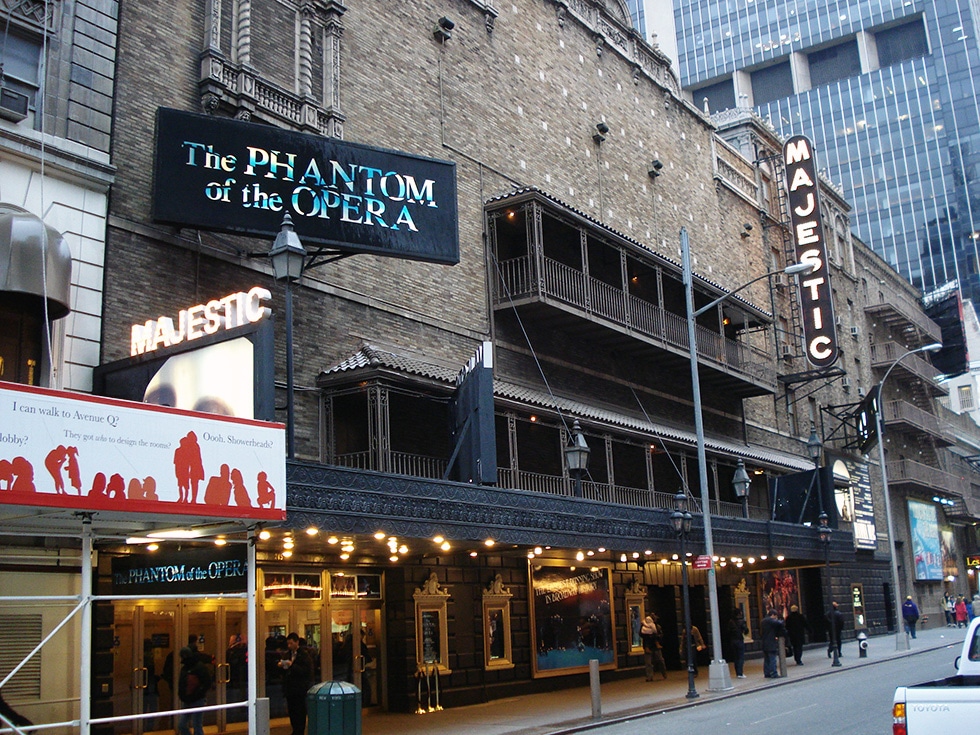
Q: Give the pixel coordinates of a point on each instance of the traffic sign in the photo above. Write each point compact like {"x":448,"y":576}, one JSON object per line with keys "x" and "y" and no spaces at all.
{"x":703,"y":561}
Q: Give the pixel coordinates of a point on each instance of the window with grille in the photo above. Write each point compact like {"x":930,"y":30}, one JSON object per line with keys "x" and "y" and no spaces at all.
{"x":19,"y":635}
{"x":966,"y":397}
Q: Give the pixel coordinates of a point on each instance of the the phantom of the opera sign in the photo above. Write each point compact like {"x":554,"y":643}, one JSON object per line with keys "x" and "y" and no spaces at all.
{"x":816,"y":301}
{"x":231,"y":176}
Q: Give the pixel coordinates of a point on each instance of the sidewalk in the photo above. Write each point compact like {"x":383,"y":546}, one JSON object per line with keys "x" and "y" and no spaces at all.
{"x":569,"y":710}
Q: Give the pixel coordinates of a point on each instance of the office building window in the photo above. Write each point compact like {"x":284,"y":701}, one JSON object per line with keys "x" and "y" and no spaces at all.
{"x":834,"y":63}
{"x":907,"y":41}
{"x":20,"y":57}
{"x":965,"y":394}
{"x":721,"y":96}
{"x":772,"y":83}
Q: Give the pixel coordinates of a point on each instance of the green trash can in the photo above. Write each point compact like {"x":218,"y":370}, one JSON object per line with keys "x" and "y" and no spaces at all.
{"x":334,"y":708}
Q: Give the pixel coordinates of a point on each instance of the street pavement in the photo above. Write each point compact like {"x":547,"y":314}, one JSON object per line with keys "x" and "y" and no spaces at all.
{"x":570,"y":710}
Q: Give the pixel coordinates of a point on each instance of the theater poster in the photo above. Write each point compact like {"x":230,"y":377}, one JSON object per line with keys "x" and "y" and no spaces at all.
{"x":926,"y":547}
{"x":571,"y":607}
{"x":87,"y":453}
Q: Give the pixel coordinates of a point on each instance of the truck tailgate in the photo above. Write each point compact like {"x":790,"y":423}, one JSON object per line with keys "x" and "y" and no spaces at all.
{"x":930,"y":710}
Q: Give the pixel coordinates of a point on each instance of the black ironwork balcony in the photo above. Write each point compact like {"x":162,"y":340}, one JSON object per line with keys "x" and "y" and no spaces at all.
{"x":738,"y":366}
{"x":884,"y":355}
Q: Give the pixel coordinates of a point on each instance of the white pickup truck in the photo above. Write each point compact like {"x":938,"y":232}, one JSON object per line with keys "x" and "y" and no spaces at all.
{"x":946,"y":705}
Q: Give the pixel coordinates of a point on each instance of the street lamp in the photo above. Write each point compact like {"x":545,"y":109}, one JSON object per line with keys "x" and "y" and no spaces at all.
{"x":288,"y":257}
{"x":901,"y":639}
{"x":577,"y":457}
{"x":681,"y":520}
{"x":824,"y":530}
{"x":719,"y":678}
{"x":741,"y":482}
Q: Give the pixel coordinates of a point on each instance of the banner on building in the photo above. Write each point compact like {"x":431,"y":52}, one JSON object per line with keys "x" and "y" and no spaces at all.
{"x":68,"y":450}
{"x":926,"y":548}
{"x":227,"y":175}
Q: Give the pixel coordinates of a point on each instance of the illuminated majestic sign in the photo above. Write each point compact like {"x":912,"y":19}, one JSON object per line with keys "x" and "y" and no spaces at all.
{"x":68,"y":450}
{"x":234,"y":310}
{"x":231,"y":176}
{"x":816,"y":299}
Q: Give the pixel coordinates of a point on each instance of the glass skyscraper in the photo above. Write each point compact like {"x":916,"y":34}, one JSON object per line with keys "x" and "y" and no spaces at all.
{"x":887,"y":91}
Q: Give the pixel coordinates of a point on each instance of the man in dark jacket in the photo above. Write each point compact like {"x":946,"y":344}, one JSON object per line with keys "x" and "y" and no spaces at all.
{"x":836,"y":622}
{"x":297,"y":678}
{"x":796,"y":628}
{"x":192,"y":689}
{"x":772,"y":629}
{"x":910,"y":614}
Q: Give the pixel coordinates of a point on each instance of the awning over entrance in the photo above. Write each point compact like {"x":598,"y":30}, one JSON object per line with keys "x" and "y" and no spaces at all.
{"x":34,"y":259}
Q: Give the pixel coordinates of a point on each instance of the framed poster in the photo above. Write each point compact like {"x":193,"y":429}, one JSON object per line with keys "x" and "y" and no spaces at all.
{"x":926,"y":550}
{"x":780,"y":589}
{"x":571,"y":608}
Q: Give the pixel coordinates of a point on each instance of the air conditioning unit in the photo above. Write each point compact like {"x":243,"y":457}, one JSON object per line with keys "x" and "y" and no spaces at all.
{"x":839,"y":321}
{"x":13,"y":104}
{"x":845,"y":383}
{"x":855,"y":332}
{"x":786,"y":351}
{"x":861,"y":392}
{"x":779,"y":280}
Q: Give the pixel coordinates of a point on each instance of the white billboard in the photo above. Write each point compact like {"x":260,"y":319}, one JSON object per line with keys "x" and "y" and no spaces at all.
{"x":69,"y":450}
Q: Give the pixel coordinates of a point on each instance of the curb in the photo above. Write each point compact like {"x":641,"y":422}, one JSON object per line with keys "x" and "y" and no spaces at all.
{"x":675,"y":704}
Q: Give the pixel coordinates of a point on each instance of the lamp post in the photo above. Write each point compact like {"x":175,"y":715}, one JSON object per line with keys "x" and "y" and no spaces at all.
{"x":288,"y":257}
{"x":577,"y":457}
{"x":901,"y":639}
{"x":719,"y":678}
{"x":741,"y":482}
{"x":681,"y":520}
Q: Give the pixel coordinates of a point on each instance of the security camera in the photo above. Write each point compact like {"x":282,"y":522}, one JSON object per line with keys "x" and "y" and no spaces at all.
{"x":747,"y":226}
{"x":602,"y":128}
{"x":446,"y":24}
{"x":655,"y":167}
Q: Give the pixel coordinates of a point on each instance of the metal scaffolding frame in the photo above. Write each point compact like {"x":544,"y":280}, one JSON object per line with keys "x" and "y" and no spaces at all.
{"x":83,"y":608}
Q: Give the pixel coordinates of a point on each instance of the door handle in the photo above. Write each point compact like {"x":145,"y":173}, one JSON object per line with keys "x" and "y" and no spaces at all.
{"x":223,"y":673}
{"x":362,"y":664}
{"x":140,"y":678}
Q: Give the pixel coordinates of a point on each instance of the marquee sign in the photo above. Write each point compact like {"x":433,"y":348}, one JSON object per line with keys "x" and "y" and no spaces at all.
{"x":816,"y":300}
{"x":81,"y":452}
{"x":231,"y":176}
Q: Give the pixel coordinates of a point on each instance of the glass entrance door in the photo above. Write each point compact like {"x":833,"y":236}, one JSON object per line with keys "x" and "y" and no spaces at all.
{"x":356,"y":637}
{"x":147,"y":640}
{"x":144,"y":643}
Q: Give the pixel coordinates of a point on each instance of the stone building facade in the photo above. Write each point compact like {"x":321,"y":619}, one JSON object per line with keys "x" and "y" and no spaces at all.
{"x":578,"y":165}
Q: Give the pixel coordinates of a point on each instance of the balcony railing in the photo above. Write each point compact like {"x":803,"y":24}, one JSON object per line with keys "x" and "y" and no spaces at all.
{"x":433,"y":468}
{"x":518,"y":279}
{"x":908,"y":472}
{"x":884,"y":354}
{"x":905,"y":413}
{"x":896,"y":310}
{"x":398,"y":463}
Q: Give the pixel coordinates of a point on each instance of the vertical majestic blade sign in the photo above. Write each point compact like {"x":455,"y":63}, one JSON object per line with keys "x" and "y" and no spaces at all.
{"x":816,"y":298}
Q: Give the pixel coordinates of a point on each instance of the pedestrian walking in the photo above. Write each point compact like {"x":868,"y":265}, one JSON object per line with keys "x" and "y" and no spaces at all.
{"x":948,"y":612}
{"x":796,"y":629}
{"x":192,"y":690}
{"x":297,"y":677}
{"x":962,"y":617}
{"x":653,"y":656}
{"x":910,"y":614}
{"x":735,"y":632}
{"x":835,"y":619}
{"x":771,"y":629}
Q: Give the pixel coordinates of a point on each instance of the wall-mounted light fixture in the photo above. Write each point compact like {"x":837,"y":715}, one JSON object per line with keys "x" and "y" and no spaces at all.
{"x":746,"y":229}
{"x":443,"y":29}
{"x":602,"y":129}
{"x":655,"y":167}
